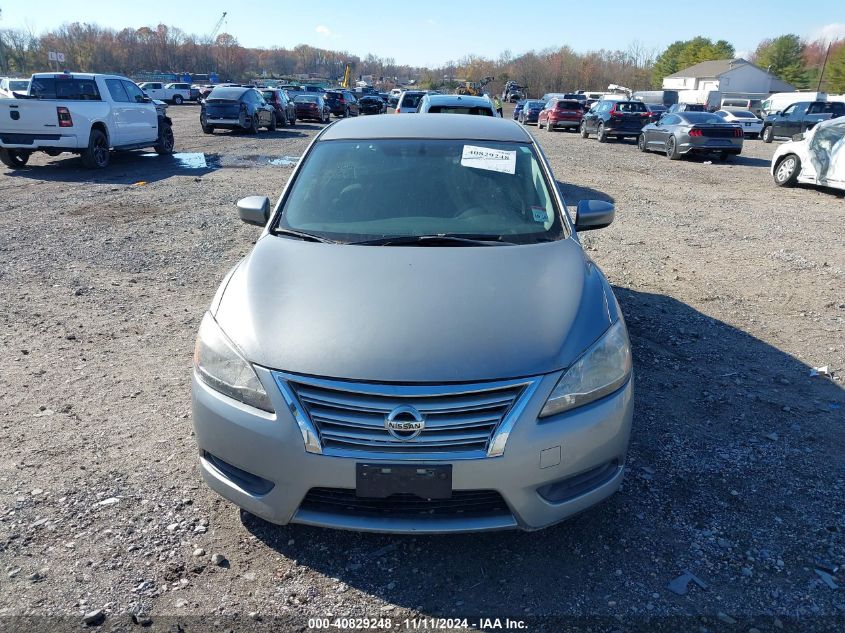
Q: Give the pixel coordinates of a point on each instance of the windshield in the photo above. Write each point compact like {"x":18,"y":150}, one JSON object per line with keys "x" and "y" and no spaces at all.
{"x":354,"y":191}
{"x":535,"y":104}
{"x":701,"y":117}
{"x":306,"y":98}
{"x":744,"y":114}
{"x":227,"y":94}
{"x":411,"y":100}
{"x":268,"y":95}
{"x":439,"y":109}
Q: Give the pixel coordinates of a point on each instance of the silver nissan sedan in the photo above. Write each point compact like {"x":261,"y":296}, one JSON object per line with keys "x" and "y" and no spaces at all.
{"x":417,"y":342}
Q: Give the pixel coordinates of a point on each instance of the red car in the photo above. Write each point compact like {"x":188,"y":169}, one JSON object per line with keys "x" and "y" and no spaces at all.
{"x":312,"y":107}
{"x":563,"y":113}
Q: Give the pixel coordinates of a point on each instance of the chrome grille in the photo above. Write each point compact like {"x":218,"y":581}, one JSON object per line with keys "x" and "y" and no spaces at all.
{"x":349,"y":418}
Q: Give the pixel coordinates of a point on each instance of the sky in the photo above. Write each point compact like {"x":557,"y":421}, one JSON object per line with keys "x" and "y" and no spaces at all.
{"x":435,"y":32}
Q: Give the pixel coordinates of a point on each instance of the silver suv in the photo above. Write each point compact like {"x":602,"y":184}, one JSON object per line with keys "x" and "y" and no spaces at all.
{"x":417,"y":342}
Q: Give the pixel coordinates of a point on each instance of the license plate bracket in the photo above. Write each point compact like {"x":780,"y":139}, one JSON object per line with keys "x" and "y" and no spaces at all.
{"x":383,"y":480}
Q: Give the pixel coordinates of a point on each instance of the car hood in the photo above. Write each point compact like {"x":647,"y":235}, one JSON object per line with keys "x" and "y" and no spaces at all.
{"x":415,"y":314}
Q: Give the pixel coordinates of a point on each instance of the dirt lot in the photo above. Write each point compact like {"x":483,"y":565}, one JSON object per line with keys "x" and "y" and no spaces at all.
{"x":733,"y":291}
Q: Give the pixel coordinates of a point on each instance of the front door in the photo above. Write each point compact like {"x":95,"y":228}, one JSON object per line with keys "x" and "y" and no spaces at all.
{"x":141,"y":114}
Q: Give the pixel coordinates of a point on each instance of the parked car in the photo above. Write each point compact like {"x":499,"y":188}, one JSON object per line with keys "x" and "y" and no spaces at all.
{"x":561,"y":113}
{"x":372,"y":104}
{"x":799,"y":117}
{"x":818,"y":158}
{"x":655,"y":111}
{"x":11,"y":85}
{"x":751,"y":125}
{"x":86,"y":114}
{"x":342,"y":103}
{"x":455,"y":104}
{"x":157,"y":90}
{"x":531,"y":111}
{"x":734,"y":104}
{"x":681,"y":133}
{"x":614,"y":118}
{"x":236,"y":108}
{"x":193,"y":91}
{"x":312,"y":107}
{"x":687,"y":107}
{"x":283,"y":107}
{"x":431,"y":407}
{"x":408,"y":101}
{"x":518,"y":108}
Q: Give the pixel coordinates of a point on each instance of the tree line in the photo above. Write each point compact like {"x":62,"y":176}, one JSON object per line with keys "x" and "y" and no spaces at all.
{"x":129,"y":51}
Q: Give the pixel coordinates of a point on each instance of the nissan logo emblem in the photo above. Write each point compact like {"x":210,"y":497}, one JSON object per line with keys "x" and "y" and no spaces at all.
{"x":404,"y":423}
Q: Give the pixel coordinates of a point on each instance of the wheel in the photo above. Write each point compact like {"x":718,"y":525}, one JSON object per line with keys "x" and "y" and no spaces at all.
{"x":768,"y":134}
{"x":208,"y":129}
{"x":723,"y":156}
{"x":521,"y":119}
{"x":583,"y":130}
{"x":96,"y":155}
{"x":346,"y":113}
{"x":284,"y":121}
{"x":254,"y":124}
{"x":13,"y":158}
{"x":328,"y":118}
{"x":601,"y":135}
{"x":292,"y":121}
{"x":539,"y":125}
{"x":164,"y":146}
{"x":273,"y":123}
{"x":672,"y":152}
{"x":641,"y":144}
{"x":177,"y":100}
{"x":786,"y":171}
{"x":549,"y":126}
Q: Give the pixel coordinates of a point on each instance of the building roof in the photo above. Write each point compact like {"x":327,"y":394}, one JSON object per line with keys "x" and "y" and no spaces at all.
{"x":713,"y":68}
{"x":439,"y":126}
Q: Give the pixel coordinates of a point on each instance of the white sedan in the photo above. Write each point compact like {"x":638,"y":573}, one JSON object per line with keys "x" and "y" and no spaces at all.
{"x":751,"y":125}
{"x":817,"y":159}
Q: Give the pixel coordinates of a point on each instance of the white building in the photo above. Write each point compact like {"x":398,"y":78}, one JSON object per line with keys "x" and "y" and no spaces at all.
{"x":726,"y":76}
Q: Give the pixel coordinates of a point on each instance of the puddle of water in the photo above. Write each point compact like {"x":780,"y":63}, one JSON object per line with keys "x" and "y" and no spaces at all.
{"x":254,"y":160}
{"x":198,"y":160}
{"x":185,"y":160}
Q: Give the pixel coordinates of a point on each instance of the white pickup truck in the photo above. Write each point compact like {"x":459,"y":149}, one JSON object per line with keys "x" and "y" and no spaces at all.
{"x":174,"y":93}
{"x":81,"y":113}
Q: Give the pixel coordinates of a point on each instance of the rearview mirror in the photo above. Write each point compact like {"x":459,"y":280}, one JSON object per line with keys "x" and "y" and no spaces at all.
{"x":254,"y":210}
{"x":593,"y":214}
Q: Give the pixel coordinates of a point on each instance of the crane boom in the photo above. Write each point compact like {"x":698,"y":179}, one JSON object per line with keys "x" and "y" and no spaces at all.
{"x":217,"y":26}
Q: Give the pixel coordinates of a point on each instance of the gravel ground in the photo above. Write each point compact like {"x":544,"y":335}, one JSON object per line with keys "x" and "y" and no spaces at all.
{"x":733,"y":291}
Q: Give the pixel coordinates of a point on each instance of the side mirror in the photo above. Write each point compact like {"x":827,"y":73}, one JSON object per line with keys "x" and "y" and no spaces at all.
{"x":593,"y":214}
{"x":778,"y":113}
{"x":254,"y":210}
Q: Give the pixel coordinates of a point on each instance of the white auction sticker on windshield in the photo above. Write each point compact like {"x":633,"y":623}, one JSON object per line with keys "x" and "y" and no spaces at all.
{"x":489,"y":159}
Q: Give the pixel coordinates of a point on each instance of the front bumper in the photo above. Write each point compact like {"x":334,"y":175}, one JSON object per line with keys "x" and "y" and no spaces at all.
{"x":269,"y":447}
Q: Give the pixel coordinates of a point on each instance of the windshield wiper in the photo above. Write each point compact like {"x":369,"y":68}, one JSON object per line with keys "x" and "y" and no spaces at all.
{"x":438,"y":239}
{"x":308,"y":237}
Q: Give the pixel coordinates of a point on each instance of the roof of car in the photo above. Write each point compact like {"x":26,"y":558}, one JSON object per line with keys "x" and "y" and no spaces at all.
{"x":442,"y":126}
{"x":464,"y":100}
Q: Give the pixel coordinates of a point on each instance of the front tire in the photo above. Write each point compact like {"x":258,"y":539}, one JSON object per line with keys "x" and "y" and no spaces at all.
{"x":273,"y":123}
{"x":177,"y":100}
{"x":96,"y":155}
{"x":768,"y":134}
{"x":254,"y":124}
{"x":13,"y":158}
{"x":787,"y":171}
{"x":549,"y":126}
{"x":583,"y":130}
{"x":166,"y":142}
{"x":641,"y":144}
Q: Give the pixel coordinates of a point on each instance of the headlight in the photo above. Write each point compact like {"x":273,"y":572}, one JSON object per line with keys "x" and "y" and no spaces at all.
{"x":600,"y":370}
{"x":221,"y":367}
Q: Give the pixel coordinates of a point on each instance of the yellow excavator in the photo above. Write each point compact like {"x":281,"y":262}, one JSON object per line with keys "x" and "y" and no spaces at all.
{"x":474,"y":88}
{"x":345,"y":83}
